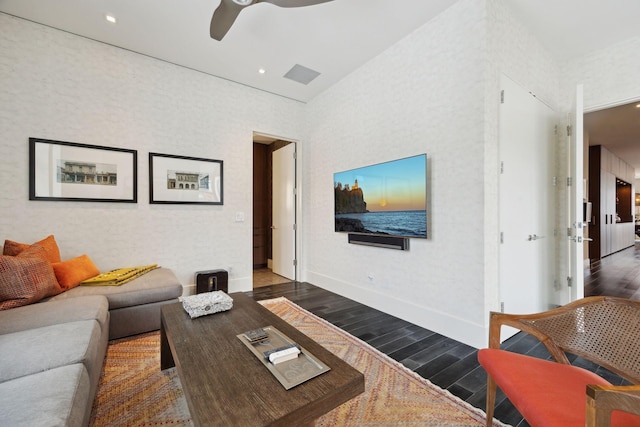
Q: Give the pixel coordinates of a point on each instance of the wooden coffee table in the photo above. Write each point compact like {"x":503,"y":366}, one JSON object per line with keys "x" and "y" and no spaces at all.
{"x":226,"y":385}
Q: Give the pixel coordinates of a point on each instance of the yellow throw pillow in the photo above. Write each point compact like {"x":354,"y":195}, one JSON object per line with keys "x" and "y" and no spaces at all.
{"x":73,"y":271}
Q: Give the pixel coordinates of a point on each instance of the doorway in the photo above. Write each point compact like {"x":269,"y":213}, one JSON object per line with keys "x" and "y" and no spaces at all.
{"x":274,"y":211}
{"x":612,"y":157}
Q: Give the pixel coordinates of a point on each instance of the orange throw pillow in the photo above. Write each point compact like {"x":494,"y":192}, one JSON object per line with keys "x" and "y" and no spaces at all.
{"x":26,"y":278}
{"x":49,"y":244}
{"x":73,"y":271}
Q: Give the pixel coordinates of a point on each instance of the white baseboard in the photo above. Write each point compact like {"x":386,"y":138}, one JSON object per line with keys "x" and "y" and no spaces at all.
{"x":455,"y":328}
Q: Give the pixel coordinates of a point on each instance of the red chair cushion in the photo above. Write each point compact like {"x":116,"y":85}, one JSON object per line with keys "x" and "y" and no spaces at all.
{"x":546,"y":393}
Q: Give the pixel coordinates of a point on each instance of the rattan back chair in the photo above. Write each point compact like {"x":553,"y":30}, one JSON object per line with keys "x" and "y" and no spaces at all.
{"x":603,"y":330}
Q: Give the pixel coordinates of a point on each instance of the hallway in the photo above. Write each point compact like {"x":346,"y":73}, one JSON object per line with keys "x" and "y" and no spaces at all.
{"x":265,"y":277}
{"x":616,"y":275}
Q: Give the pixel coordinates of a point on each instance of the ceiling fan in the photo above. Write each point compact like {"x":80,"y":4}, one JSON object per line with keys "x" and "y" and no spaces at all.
{"x":228,"y":10}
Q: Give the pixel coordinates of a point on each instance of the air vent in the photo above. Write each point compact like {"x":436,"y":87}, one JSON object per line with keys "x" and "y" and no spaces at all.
{"x":301,"y":74}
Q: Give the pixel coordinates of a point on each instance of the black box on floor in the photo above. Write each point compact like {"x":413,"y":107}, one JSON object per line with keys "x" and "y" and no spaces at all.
{"x":212,"y":280}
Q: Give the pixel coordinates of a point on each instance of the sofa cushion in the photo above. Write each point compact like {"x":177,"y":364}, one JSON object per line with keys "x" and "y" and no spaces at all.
{"x":54,"y":398}
{"x":546,"y":393}
{"x":71,"y":272}
{"x":93,"y":307}
{"x":49,"y":244}
{"x":157,"y":285}
{"x":35,"y":350}
{"x":26,"y":278}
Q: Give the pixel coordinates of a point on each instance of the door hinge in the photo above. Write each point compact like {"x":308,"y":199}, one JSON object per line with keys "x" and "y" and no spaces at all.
{"x":569,"y":130}
{"x":295,"y":262}
{"x":502,"y":96}
{"x":569,"y":181}
{"x":501,"y":306}
{"x":501,"y":237}
{"x":554,"y":181}
{"x":501,"y":167}
{"x":295,"y":227}
{"x":569,"y":281}
{"x":295,"y":155}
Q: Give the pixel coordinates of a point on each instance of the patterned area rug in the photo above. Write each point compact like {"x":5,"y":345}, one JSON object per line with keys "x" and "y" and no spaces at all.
{"x":394,"y":395}
{"x":134,"y":392}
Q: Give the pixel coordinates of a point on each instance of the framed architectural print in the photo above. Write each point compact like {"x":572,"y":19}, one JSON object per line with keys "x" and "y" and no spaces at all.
{"x":68,"y":171}
{"x":180,"y":179}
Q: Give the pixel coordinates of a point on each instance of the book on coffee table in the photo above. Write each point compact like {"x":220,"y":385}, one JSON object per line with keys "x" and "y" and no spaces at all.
{"x":256,"y":335}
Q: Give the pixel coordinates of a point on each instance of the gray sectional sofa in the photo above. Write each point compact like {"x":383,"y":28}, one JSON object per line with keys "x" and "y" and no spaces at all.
{"x":52,"y":352}
{"x":134,"y":306}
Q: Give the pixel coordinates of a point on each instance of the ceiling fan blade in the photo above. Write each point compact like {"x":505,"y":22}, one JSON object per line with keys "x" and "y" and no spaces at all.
{"x":223,"y":18}
{"x":293,"y":3}
{"x":227,"y":12}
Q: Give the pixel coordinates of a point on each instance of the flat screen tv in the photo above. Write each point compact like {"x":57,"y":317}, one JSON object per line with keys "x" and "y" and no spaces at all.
{"x":388,"y":199}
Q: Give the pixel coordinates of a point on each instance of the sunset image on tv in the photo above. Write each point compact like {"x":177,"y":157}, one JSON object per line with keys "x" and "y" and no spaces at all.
{"x":387,"y":198}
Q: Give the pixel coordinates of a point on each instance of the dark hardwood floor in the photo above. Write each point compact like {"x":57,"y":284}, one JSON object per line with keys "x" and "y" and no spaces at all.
{"x":615,"y":275}
{"x":445,"y":362}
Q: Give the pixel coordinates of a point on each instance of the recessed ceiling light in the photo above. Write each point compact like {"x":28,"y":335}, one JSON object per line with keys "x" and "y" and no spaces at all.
{"x":637,"y":105}
{"x":262,"y":70}
{"x":110,"y":18}
{"x":243,"y":2}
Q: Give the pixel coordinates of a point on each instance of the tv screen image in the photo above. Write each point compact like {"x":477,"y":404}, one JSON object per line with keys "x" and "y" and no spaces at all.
{"x":387,"y":199}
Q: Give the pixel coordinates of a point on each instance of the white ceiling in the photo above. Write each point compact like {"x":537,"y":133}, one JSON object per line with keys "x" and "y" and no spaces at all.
{"x":332,"y":38}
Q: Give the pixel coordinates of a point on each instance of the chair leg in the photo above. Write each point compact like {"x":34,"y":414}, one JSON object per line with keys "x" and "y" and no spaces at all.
{"x":491,"y":399}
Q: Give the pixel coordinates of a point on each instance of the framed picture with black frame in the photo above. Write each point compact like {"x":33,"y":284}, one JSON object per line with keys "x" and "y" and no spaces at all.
{"x":185,"y":180}
{"x":69,"y":171}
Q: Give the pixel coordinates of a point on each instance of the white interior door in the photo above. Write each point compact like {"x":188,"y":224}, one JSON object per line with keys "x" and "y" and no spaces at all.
{"x":283,"y":229}
{"x":527,"y":208}
{"x":575,"y":284}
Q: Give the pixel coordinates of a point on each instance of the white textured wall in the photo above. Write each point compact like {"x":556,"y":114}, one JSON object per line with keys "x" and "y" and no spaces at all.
{"x":437,"y":91}
{"x":609,"y":76}
{"x":59,"y":86}
{"x":423,"y":95}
